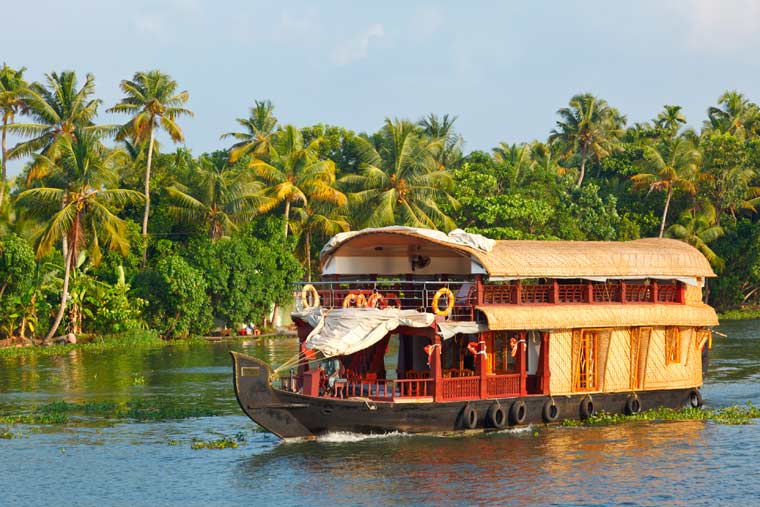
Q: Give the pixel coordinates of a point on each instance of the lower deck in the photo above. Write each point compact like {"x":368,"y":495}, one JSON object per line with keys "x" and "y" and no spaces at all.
{"x":417,"y":365}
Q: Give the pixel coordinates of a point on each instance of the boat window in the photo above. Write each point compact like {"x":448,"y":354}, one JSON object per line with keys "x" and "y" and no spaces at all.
{"x":672,"y":345}
{"x":585,"y":348}
{"x":501,"y":359}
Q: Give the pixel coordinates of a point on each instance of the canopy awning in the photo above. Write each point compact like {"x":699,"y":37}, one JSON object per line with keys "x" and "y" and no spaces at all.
{"x":518,"y":317}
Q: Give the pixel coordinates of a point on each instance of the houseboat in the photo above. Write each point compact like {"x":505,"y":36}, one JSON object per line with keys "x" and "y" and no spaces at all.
{"x":414,"y":330}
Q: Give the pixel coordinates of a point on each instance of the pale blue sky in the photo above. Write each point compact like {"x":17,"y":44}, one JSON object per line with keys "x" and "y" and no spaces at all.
{"x":503,"y":68}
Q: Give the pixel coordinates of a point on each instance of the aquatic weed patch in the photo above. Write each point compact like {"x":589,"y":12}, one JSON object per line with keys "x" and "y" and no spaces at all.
{"x":63,"y":412}
{"x":145,"y":340}
{"x":736,"y":414}
{"x":220,"y":443}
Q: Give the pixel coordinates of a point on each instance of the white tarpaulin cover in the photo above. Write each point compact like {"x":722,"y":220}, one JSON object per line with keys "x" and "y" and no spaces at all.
{"x":344,"y":331}
{"x":456,"y":237}
{"x":449,"y":329}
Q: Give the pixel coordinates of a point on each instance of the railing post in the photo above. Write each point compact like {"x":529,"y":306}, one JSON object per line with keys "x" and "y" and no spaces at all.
{"x":481,"y":368}
{"x":522,"y":351}
{"x":680,"y":293}
{"x":555,"y":291}
{"x":622,"y":291}
{"x":435,"y":369}
{"x":655,"y":291}
{"x":590,"y":292}
{"x":518,"y":292}
{"x":479,"y":285}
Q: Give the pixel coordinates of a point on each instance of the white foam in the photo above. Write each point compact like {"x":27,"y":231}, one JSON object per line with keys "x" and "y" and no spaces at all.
{"x":340,"y":437}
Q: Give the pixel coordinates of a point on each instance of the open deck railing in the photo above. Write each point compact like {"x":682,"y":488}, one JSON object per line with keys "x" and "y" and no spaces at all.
{"x":406,"y":295}
{"x":418,"y":295}
{"x":502,"y":386}
{"x":461,"y":388}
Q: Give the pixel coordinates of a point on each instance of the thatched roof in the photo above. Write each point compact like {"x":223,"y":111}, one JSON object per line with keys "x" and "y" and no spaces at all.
{"x":515,"y":317}
{"x":654,"y":257}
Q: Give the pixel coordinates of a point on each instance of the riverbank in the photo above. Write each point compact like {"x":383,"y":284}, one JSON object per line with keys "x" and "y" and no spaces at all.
{"x":747,"y":313}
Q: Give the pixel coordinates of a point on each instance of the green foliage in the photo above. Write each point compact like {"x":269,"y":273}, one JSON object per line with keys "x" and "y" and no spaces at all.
{"x":221,"y":443}
{"x":179,"y":303}
{"x":245,"y":275}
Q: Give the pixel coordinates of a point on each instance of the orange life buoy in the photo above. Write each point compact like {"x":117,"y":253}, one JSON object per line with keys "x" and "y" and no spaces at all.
{"x":309,"y":289}
{"x":350,"y":298}
{"x":375,"y":300}
{"x":443,"y":291}
{"x":361,"y":300}
{"x":472,"y":347}
{"x":429,"y":351}
{"x":513,"y":346}
{"x":307,"y":353}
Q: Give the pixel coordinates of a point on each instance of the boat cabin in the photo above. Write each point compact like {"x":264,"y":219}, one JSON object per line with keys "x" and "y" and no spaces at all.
{"x":470,"y":318}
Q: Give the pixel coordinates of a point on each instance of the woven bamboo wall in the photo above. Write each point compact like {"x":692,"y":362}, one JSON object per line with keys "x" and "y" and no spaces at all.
{"x":692,"y":294}
{"x":686,"y":373}
{"x":560,"y":362}
{"x":617,"y":374}
{"x":614,"y":362}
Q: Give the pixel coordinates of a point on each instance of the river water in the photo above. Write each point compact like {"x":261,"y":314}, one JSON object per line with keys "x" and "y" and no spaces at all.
{"x":127,"y":463}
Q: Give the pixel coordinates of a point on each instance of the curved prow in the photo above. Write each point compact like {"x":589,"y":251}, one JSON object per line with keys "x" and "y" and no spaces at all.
{"x":262,"y":403}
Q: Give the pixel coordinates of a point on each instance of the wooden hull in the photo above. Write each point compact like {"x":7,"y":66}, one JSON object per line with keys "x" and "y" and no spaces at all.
{"x":291,"y":415}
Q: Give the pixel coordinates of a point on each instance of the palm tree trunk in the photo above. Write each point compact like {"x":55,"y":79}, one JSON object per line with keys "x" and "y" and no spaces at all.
{"x":583,"y":168}
{"x":4,"y":170}
{"x":665,"y":211}
{"x":64,"y":297}
{"x":147,"y":197}
{"x":287,"y":217}
{"x":308,"y":255}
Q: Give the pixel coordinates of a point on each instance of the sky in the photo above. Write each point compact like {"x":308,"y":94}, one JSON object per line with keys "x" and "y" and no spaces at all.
{"x":503,"y":68}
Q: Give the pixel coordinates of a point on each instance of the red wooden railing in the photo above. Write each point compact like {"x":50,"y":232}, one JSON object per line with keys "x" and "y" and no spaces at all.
{"x":607,"y":292}
{"x":638,"y":293}
{"x":461,"y":388}
{"x":539,"y":293}
{"x":667,"y":293}
{"x":572,"y":293}
{"x":499,"y":294}
{"x":500,"y":386}
{"x":387,"y":390}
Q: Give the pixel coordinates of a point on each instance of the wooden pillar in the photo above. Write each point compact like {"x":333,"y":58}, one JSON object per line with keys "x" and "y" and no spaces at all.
{"x":545,"y":372}
{"x":518,"y":292}
{"x":522,"y":351}
{"x":655,"y":291}
{"x":436,"y":372}
{"x":555,"y":291}
{"x":590,"y":292}
{"x":622,"y":291}
{"x":481,"y":367}
{"x":303,"y":330}
{"x":681,"y":293}
{"x":479,"y":285}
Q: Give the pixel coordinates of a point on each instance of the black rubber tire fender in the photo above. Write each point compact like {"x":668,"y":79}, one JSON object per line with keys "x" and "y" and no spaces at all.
{"x":587,"y":407}
{"x":695,"y":398}
{"x":469,"y":418}
{"x":550,"y":411}
{"x":518,"y":412}
{"x":497,"y":416}
{"x":632,"y":405}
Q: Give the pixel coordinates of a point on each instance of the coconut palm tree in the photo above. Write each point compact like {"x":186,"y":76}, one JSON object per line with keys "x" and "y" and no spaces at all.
{"x":668,"y":166}
{"x":76,"y":205}
{"x":316,"y":220}
{"x":698,"y":227}
{"x":153,"y":101}
{"x":400,"y":181}
{"x":589,"y":128}
{"x":57,"y":110}
{"x":220,"y":196}
{"x":737,"y":115}
{"x":516,"y":159}
{"x":13,"y":90}
{"x":449,"y":148}
{"x":294,"y":174}
{"x":260,"y":126}
{"x":670,"y":120}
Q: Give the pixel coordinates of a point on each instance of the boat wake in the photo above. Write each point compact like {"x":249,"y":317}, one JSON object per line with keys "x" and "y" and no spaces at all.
{"x":340,"y":437}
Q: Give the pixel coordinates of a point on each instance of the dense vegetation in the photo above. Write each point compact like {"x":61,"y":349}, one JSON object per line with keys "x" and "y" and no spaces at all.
{"x":107,"y":231}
